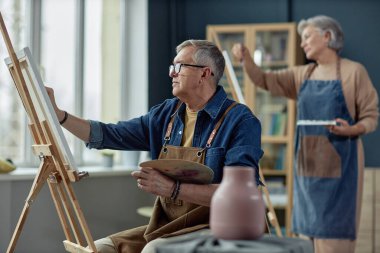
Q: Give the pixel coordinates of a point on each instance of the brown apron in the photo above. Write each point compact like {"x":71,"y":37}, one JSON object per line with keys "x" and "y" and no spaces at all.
{"x":170,"y":217}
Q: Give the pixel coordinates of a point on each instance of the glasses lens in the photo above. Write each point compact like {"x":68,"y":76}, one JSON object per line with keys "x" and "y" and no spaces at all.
{"x":174,"y":69}
{"x":171,"y":68}
{"x":177,"y":68}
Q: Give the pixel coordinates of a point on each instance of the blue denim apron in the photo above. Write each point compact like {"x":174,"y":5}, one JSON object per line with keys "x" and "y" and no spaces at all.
{"x":326,"y":166}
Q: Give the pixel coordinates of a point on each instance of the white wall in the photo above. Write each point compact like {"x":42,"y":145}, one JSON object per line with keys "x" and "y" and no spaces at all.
{"x":109,"y":203}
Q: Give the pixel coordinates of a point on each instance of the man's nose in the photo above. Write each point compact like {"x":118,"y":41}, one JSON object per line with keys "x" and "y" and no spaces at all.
{"x":172,"y":73}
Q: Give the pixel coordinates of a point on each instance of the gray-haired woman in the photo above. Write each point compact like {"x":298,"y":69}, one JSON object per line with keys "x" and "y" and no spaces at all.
{"x":329,"y":160}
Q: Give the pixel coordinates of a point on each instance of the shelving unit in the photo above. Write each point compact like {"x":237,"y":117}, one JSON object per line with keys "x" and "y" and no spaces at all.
{"x":273,"y":46}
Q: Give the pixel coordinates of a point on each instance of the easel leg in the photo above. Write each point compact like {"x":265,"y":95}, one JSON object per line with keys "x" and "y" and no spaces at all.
{"x":66,"y":212}
{"x":271,"y":214}
{"x":63,"y":207}
{"x":43,"y":173}
{"x":59,"y":207}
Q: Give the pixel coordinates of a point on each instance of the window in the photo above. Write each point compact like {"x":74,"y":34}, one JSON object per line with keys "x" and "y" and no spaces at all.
{"x":81,"y":48}
{"x":58,"y":52}
{"x":93,"y":65}
{"x":12,"y":116}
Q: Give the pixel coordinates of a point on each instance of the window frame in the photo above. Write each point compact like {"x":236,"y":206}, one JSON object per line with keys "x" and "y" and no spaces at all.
{"x":129,"y":79}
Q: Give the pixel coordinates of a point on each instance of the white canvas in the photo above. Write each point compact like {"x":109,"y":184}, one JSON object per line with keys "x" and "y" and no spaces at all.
{"x":234,"y":80}
{"x":42,"y":103}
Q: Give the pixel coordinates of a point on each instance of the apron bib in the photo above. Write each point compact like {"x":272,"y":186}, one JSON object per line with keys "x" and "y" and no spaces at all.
{"x":170,"y":217}
{"x":326,"y":166}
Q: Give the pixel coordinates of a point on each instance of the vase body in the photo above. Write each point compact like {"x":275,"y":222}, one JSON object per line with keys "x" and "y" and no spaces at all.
{"x":237,"y":209}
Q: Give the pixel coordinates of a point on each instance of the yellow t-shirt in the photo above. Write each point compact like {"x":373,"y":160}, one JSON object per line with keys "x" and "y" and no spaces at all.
{"x":188,"y":132}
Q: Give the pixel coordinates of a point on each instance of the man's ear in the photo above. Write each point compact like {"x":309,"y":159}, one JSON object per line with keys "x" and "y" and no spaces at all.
{"x":206,"y":72}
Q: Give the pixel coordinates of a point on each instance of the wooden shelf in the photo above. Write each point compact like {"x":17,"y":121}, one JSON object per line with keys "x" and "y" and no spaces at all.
{"x":275,"y":139}
{"x":273,"y":172}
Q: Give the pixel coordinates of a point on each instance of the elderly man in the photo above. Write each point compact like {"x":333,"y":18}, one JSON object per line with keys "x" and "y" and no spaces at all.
{"x":200,"y":124}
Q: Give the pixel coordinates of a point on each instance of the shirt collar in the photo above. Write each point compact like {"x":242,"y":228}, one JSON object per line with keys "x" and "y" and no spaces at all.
{"x":215,"y":104}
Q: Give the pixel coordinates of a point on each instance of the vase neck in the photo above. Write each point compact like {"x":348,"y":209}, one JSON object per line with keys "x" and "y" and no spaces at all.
{"x":238,"y":173}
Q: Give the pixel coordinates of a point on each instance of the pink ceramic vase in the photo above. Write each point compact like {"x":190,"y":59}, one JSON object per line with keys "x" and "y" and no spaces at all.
{"x":237,"y":208}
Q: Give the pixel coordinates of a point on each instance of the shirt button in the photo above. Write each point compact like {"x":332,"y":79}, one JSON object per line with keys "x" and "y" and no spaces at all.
{"x":180,"y":132}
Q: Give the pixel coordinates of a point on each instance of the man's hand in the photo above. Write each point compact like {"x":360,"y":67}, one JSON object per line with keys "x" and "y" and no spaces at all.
{"x":60,"y":113}
{"x":79,"y":127}
{"x":152,"y":181}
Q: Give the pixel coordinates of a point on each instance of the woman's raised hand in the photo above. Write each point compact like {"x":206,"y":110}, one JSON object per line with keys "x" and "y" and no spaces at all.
{"x":239,"y":51}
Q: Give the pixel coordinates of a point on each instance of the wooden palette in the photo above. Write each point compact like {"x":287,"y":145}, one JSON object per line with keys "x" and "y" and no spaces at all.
{"x":183,"y":170}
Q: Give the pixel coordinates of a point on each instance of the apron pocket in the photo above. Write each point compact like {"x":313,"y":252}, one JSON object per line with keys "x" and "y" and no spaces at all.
{"x":192,"y":154}
{"x":177,"y":202}
{"x":317,"y":157}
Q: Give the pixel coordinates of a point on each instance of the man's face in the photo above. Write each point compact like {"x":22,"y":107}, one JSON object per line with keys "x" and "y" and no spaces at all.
{"x":187,"y":81}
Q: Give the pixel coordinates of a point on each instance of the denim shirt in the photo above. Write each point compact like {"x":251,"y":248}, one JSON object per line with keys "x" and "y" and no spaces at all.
{"x":237,"y":142}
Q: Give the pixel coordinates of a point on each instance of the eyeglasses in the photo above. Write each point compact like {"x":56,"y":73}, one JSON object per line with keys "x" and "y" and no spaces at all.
{"x":175,"y":69}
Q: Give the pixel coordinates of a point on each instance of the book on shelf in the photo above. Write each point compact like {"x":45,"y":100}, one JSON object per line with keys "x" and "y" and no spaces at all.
{"x":280,"y":158}
{"x":273,"y":119}
{"x":278,"y":124}
{"x":274,"y":157}
{"x":279,"y":46}
{"x":276,"y":185}
{"x":278,"y":200}
{"x":277,"y":190}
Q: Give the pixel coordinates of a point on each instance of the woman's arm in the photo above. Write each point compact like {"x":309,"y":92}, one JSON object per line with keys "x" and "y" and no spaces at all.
{"x":280,"y":83}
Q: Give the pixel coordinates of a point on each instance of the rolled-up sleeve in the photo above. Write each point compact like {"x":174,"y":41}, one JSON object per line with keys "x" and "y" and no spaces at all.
{"x":96,"y":135}
{"x":246,"y":146}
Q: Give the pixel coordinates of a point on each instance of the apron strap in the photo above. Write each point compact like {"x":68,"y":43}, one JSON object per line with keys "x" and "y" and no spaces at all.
{"x":213,"y":133}
{"x":310,"y":71}
{"x":338,"y":74}
{"x":170,"y":125}
{"x":338,"y":69}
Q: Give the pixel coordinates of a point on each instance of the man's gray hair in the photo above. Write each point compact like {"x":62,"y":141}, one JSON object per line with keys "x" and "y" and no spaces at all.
{"x":206,"y":54}
{"x":325,"y":24}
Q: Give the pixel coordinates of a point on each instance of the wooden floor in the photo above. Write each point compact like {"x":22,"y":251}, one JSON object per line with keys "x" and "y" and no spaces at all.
{"x":369,"y":230}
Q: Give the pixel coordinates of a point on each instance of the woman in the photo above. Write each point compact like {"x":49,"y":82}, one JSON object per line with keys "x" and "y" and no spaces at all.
{"x":329,"y":160}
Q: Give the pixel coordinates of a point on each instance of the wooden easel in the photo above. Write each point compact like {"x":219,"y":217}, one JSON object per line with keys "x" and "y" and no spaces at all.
{"x":271,"y":212}
{"x":54,"y":169}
